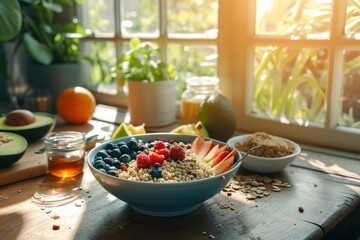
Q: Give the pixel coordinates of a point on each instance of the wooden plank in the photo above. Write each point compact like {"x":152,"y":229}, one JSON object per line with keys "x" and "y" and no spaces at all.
{"x":327,"y":187}
{"x":102,"y":216}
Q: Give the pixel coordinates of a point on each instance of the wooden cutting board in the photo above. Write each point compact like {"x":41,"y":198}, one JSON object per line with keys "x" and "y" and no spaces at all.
{"x":29,"y":166}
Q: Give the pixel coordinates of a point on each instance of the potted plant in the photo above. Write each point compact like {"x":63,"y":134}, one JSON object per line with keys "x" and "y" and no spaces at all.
{"x":151,"y":83}
{"x":53,"y":47}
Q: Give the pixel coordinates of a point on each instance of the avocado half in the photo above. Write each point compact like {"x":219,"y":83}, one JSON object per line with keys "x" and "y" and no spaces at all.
{"x":12,"y":147}
{"x":44,"y":123}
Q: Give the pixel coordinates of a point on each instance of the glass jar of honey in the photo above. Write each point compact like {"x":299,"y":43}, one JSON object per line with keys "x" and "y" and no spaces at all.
{"x":197,"y":89}
{"x":65,"y":153}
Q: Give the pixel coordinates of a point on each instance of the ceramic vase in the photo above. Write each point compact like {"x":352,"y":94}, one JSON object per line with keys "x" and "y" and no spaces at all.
{"x":152,"y":103}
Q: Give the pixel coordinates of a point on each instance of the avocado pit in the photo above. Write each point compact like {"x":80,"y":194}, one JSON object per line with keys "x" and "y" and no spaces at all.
{"x":19,"y":117}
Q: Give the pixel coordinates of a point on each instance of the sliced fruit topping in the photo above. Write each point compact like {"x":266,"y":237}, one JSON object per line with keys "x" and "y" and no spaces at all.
{"x":205,"y":148}
{"x":197,"y":144}
{"x":224,"y":165}
{"x":218,"y":158}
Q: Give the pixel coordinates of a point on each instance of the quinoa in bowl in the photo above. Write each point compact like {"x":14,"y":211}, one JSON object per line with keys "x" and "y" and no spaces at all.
{"x":184,"y":183}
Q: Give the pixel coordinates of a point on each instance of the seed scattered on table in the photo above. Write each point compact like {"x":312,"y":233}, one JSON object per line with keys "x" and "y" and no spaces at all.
{"x":301,"y":209}
{"x":56,"y":227}
{"x":254,"y":186}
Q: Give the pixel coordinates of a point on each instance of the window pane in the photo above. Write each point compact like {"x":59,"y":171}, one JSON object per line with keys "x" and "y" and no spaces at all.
{"x":102,"y":56}
{"x":290,"y":83}
{"x":306,"y":19}
{"x":193,"y":17}
{"x":350,"y":98}
{"x":200,"y":60}
{"x":352,"y":28}
{"x":98,"y":15}
{"x":140,"y":17}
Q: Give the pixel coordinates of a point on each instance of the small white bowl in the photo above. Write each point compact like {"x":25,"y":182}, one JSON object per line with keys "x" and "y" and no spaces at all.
{"x":263,"y":164}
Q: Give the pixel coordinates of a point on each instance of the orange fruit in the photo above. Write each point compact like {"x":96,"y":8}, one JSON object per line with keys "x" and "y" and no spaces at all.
{"x":76,"y":105}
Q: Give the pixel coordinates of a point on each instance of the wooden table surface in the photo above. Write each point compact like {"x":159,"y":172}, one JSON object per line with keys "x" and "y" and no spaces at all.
{"x":325,"y":186}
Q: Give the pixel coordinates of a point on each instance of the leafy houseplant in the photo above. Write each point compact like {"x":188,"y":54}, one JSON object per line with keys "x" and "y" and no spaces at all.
{"x":151,"y":83}
{"x":53,"y":45}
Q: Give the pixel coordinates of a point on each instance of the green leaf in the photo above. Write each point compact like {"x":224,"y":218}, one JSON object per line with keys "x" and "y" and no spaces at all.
{"x":37,"y":50}
{"x":52,"y":6}
{"x":10,"y":19}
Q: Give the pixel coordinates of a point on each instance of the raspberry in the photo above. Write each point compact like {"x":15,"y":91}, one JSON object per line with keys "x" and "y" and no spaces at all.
{"x":177,"y":152}
{"x":142,"y":160}
{"x":159,"y":145}
{"x":164,"y":152}
{"x":156,"y":158}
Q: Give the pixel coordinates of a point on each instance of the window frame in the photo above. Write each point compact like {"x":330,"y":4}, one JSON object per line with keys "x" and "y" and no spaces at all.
{"x":235,"y":70}
{"x":234,"y":67}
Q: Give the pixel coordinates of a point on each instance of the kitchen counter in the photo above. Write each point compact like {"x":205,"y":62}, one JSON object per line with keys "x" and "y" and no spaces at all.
{"x":323,"y":193}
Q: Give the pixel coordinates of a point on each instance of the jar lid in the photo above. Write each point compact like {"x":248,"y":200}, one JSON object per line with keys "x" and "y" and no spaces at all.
{"x":202,"y":81}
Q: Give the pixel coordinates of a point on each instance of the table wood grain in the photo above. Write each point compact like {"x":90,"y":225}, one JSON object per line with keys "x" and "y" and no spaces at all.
{"x":326,"y":187}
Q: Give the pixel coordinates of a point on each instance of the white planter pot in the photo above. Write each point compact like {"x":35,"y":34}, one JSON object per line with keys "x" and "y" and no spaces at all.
{"x":152,"y":103}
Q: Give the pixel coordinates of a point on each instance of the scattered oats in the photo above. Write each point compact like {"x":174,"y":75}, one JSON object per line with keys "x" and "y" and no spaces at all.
{"x":261,"y":188}
{"x":48,"y":211}
{"x":42,"y":208}
{"x":79,"y":203}
{"x":249,"y":196}
{"x":55,"y":216}
{"x":211,"y":236}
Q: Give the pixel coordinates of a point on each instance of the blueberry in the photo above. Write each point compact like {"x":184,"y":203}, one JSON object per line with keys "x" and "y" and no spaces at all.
{"x":112,"y":168}
{"x":133,"y":145}
{"x":124,"y":149}
{"x":142,"y":147}
{"x":98,"y":159}
{"x":108,"y":160}
{"x":112,"y":172}
{"x":132,"y":155}
{"x":109,"y":146}
{"x":125,"y":158}
{"x":102,"y":153}
{"x":119,"y":144}
{"x":116,"y":163}
{"x":156,"y":172}
{"x":115,"y":153}
{"x":107,"y":166}
{"x":102,"y":170}
{"x":99,"y":164}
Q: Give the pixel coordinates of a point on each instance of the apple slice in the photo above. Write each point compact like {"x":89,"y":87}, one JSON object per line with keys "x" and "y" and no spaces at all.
{"x":231,"y":154}
{"x":220,"y":156}
{"x":205,"y":149}
{"x":224,"y":165}
{"x":212,"y":153}
{"x":196,"y":145}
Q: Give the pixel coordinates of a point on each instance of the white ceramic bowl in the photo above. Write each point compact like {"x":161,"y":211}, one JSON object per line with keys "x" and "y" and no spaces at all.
{"x":162,"y":199}
{"x":264,"y":164}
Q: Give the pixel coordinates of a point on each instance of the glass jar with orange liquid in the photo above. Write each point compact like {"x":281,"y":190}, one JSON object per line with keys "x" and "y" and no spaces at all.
{"x":197,"y":89}
{"x":65,"y":153}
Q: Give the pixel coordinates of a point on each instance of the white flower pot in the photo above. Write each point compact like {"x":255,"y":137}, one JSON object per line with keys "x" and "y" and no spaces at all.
{"x":152,"y":103}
